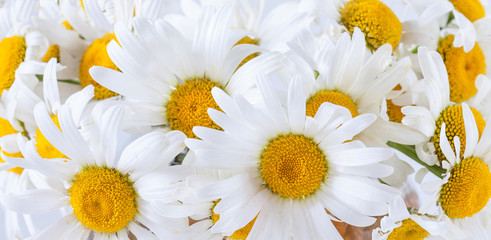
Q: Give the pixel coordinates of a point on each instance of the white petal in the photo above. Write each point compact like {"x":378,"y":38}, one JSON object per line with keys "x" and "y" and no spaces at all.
{"x":471,"y":132}
{"x":46,"y":200}
{"x":296,"y":105}
{"x":359,"y":157}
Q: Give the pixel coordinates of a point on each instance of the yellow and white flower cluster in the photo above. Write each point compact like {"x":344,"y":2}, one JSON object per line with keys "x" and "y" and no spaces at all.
{"x":245,"y":119}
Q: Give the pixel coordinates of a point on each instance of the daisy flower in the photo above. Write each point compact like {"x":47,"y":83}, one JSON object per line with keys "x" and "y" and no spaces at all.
{"x":27,"y":98}
{"x":402,"y":223}
{"x":292,"y":174}
{"x":108,"y":193}
{"x":439,"y":109}
{"x":463,"y":194}
{"x":20,"y":41}
{"x":94,"y":21}
{"x":454,"y":36}
{"x":376,"y":20}
{"x":170,"y":84}
{"x":65,"y":43}
{"x":350,"y":76}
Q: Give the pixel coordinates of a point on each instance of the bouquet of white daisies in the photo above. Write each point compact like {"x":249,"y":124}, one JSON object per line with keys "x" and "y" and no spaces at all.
{"x":245,"y":119}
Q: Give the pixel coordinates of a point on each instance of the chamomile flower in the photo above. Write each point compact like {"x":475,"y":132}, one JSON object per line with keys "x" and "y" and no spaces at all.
{"x":439,"y":109}
{"x":292,"y":174}
{"x":20,"y":42}
{"x":108,"y":193}
{"x":402,"y":223}
{"x":170,"y":84}
{"x":27,"y":98}
{"x":463,"y":194}
{"x":94,"y":21}
{"x":65,"y":43}
{"x":376,"y":20}
{"x":352,"y":77}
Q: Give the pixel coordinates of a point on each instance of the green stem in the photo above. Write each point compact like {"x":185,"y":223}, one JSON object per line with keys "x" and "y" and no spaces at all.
{"x":70,"y":81}
{"x":410,"y":151}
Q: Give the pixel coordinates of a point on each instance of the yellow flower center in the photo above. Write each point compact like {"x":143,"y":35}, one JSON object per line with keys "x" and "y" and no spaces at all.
{"x":247,"y":40}
{"x":334,"y":97}
{"x":53,"y":52}
{"x":240,"y":234}
{"x":394,"y":112}
{"x":468,"y":189}
{"x":293,"y":166}
{"x":44,"y":147}
{"x":454,"y":126}
{"x":96,"y":55}
{"x":377,"y":21}
{"x":408,"y":230}
{"x":12,"y":54}
{"x":103,"y":199}
{"x":471,"y":9}
{"x":188,"y":106}
{"x":462,"y":68}
{"x":6,"y":129}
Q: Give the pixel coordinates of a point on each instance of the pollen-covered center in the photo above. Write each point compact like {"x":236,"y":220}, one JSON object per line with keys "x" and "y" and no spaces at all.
{"x":44,"y":147}
{"x":334,"y":97}
{"x":103,"y":199}
{"x":377,"y":21}
{"x":188,"y":106}
{"x":96,"y":55}
{"x":394,"y":112}
{"x":293,"y":166}
{"x":12,"y":54}
{"x":454,"y":126}
{"x":462,"y":68}
{"x":53,"y":52}
{"x":247,"y":40}
{"x":239,"y":234}
{"x":471,"y":9}
{"x":468,"y":189}
{"x":408,"y":230}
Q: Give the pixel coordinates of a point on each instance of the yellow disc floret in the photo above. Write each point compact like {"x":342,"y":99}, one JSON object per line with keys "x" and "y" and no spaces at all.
{"x":247,"y":40}
{"x":44,"y":147}
{"x":293,"y":166}
{"x":334,"y":97}
{"x":462,"y":68}
{"x":377,"y":21}
{"x":240,"y":234}
{"x":468,"y":189}
{"x":188,"y":106}
{"x":408,"y":230}
{"x":53,"y":52}
{"x":394,"y":112}
{"x":103,"y":199}
{"x":471,"y":9}
{"x":96,"y":55}
{"x":454,"y":126}
{"x":12,"y":54}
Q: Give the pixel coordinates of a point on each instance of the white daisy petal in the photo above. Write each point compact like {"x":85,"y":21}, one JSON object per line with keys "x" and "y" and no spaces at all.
{"x":46,"y":200}
{"x":471,"y":132}
{"x":50,"y":87}
{"x":361,"y":156}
